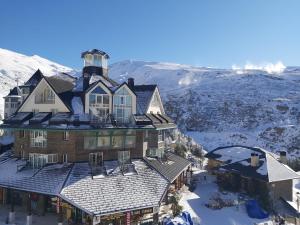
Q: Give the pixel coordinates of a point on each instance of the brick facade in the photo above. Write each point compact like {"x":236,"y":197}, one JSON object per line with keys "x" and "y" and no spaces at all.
{"x":74,"y":146}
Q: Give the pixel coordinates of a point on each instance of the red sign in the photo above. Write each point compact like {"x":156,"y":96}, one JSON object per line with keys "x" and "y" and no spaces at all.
{"x":128,"y":218}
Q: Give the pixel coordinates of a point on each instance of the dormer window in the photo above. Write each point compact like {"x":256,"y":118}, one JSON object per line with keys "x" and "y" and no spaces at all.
{"x":122,"y":106}
{"x":99,"y":105}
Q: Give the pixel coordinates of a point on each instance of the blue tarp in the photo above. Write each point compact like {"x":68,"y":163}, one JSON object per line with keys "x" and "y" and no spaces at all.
{"x":255,"y":211}
{"x":185,"y":216}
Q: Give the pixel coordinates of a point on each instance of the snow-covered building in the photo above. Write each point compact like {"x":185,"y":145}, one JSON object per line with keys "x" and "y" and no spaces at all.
{"x":88,"y":144}
{"x":253,"y":170}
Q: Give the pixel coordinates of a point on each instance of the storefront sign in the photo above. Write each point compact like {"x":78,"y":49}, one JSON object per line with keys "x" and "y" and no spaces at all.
{"x":112,"y":216}
{"x":128,"y":214}
{"x":142,"y":211}
{"x":146,"y":211}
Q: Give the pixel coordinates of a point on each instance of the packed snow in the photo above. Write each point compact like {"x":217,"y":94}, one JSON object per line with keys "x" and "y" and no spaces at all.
{"x":194,"y":203}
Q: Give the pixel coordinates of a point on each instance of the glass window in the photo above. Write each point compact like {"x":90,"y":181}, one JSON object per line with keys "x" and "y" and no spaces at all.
{"x":99,"y":107}
{"x":66,"y":135}
{"x":47,"y":96}
{"x":130,"y":141}
{"x":38,"y":138}
{"x":90,"y":142}
{"x":117,"y":141}
{"x":96,"y":159}
{"x":122,"y":105}
{"x":92,"y":99}
{"x":105,"y":99}
{"x":104,"y":141}
{"x":124,"y":157}
{"x":88,"y":59}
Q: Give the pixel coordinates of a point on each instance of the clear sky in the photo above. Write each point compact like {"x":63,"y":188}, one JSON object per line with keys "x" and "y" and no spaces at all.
{"x":216,"y":33}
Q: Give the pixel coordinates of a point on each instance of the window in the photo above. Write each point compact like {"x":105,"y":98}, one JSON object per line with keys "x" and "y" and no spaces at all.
{"x":25,"y":91}
{"x":104,"y":141}
{"x":22,"y":154}
{"x":160,"y":136}
{"x":47,"y":96}
{"x":129,"y":141}
{"x":155,"y":152}
{"x":97,"y":60}
{"x":21,"y":133}
{"x":124,"y":157}
{"x":96,"y":159}
{"x":66,"y":135}
{"x":39,"y":160}
{"x":122,"y":105}
{"x":146,"y":135}
{"x":90,"y":142}
{"x":38,"y":138}
{"x":117,"y":141}
{"x":99,"y":106}
{"x":88,"y":60}
{"x":65,"y":158}
{"x":52,"y":158}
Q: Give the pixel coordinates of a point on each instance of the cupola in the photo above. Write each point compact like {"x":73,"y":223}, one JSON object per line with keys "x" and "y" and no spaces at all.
{"x":95,"y":63}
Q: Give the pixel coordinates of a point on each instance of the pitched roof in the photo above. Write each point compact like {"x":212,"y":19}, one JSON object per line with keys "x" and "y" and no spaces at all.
{"x":144,"y":94}
{"x":48,"y":180}
{"x":35,"y":78}
{"x":15,"y":92}
{"x":115,"y":192}
{"x":171,"y":167}
{"x":238,"y":159}
{"x":95,"y":51}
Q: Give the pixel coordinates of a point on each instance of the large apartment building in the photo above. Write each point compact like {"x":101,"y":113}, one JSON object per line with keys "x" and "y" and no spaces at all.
{"x":97,"y":148}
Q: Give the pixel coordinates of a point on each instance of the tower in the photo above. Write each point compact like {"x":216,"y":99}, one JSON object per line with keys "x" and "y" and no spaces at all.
{"x":95,"y":63}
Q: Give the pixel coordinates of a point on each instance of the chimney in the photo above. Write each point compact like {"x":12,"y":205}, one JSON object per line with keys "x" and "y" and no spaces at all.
{"x":283,"y":158}
{"x":130,"y":83}
{"x":254,"y":159}
{"x":86,"y":81}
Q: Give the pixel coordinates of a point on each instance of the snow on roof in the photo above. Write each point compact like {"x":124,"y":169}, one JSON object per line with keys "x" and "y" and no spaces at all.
{"x":144,"y":94}
{"x":238,"y":159}
{"x":116,"y":192}
{"x":232,"y":154}
{"x":77,"y":105}
{"x":48,"y":180}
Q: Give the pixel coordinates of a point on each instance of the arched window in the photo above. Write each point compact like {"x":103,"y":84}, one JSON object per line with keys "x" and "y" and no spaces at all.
{"x":46,"y":96}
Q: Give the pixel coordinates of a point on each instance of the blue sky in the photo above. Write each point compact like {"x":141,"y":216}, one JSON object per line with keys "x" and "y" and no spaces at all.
{"x":198,"y":32}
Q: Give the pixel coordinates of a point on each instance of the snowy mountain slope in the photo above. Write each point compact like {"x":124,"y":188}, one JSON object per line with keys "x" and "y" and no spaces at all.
{"x":257,"y":107}
{"x":224,"y":106}
{"x":14,"y":65}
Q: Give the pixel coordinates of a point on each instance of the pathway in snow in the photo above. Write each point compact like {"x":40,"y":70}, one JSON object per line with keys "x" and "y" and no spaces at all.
{"x":193,"y":202}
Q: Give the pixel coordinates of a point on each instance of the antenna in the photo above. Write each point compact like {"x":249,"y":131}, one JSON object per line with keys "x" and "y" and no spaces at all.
{"x":17,"y":79}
